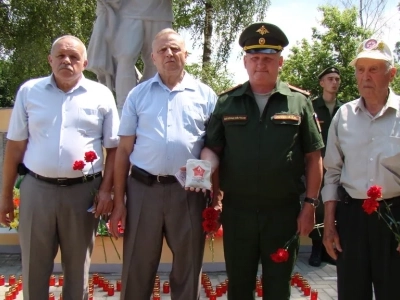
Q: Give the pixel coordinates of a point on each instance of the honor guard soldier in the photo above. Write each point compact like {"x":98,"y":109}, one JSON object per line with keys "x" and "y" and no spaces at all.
{"x":325,"y":106}
{"x":264,"y":136}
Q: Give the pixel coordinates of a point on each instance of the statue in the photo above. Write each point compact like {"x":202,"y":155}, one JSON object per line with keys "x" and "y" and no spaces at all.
{"x":124,"y":29}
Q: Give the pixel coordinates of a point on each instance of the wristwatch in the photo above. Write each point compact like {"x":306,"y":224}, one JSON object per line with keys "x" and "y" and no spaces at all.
{"x":313,"y":201}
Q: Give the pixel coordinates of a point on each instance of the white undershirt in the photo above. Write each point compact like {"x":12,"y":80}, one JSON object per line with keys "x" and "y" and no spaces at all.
{"x":262,"y":100}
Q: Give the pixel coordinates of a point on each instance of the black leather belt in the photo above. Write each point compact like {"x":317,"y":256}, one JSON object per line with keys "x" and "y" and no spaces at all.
{"x":167,"y":179}
{"x":65,"y":181}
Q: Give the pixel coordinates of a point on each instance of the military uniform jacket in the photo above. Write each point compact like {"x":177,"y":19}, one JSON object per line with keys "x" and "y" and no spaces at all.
{"x":324,"y":117}
{"x":262,"y":158}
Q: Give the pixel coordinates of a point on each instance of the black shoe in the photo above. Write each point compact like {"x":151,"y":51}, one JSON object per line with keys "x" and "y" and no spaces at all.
{"x":325,"y":257}
{"x":315,"y":257}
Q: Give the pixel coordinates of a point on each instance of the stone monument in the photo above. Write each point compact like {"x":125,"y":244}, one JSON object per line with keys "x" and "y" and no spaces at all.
{"x":124,"y":29}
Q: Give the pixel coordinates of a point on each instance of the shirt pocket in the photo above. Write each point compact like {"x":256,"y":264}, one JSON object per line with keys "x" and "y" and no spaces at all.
{"x":90,"y":122}
{"x":194,"y":119}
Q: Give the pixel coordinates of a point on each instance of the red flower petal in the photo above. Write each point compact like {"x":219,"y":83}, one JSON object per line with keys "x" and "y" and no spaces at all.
{"x":374,"y":192}
{"x":210,"y":225}
{"x":78,"y":165}
{"x":90,"y":156}
{"x":370,"y":205}
{"x":210,"y":213}
{"x":281,"y":255}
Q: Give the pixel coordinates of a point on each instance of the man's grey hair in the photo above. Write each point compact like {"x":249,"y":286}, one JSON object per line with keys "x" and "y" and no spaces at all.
{"x":70,"y":37}
{"x":168,"y":31}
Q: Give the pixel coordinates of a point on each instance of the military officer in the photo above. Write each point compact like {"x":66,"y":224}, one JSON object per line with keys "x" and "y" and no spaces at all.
{"x":263,"y":136}
{"x":325,"y":106}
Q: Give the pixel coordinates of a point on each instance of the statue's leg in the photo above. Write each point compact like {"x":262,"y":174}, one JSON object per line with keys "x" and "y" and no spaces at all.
{"x":127,"y":47}
{"x":151,"y":28}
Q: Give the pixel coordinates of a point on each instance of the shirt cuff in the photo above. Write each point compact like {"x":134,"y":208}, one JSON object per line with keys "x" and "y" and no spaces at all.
{"x":329,"y":192}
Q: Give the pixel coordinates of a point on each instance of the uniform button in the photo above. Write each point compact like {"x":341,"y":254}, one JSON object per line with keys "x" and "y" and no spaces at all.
{"x":373,"y":139}
{"x":371,"y":159}
{"x":371,"y":180}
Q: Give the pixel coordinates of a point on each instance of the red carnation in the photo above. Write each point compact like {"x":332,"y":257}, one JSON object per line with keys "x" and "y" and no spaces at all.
{"x":90,"y":156}
{"x":374,"y":192}
{"x":210,"y":213}
{"x":210,"y":225}
{"x":78,"y":165}
{"x":370,"y":205}
{"x":281,"y":255}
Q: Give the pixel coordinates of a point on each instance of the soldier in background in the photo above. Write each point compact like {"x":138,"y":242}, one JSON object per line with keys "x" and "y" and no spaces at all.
{"x":325,"y":106}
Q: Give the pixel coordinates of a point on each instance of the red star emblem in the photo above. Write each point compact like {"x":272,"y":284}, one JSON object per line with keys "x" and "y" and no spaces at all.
{"x":198,"y":171}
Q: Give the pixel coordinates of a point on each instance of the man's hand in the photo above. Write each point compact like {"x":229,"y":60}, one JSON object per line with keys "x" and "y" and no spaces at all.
{"x":306,"y":220}
{"x":6,"y":210}
{"x":117,"y":215}
{"x":192,"y":189}
{"x":331,"y":239}
{"x":104,"y":203}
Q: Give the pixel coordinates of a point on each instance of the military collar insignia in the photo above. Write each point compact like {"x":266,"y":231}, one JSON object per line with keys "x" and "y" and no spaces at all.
{"x":262,"y":30}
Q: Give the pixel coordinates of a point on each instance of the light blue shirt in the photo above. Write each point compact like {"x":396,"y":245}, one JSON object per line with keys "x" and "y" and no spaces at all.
{"x":62,"y":126}
{"x":169,"y":125}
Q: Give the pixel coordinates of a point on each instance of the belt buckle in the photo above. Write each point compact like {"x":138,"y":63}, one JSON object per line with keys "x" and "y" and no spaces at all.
{"x":158,"y":178}
{"x":61,"y":180}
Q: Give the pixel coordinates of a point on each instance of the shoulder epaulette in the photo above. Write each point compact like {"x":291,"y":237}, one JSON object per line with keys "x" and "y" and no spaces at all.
{"x":230,"y":89}
{"x":296,"y":89}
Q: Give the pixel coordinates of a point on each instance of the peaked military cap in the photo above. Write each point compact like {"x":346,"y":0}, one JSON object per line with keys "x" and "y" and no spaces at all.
{"x":263,"y":38}
{"x":328,"y":71}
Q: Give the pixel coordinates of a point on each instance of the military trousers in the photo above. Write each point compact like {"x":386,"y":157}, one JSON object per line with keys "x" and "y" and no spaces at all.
{"x":253,"y":234}
{"x":369,"y":260}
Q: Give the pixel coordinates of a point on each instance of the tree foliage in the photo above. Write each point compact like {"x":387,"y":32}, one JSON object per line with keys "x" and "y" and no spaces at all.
{"x":217,"y":78}
{"x":333,"y":44}
{"x":30,"y":28}
{"x":217,"y":23}
{"x":370,"y":12}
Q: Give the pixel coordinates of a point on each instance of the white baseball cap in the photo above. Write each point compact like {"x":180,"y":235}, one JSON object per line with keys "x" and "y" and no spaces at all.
{"x":374,"y":49}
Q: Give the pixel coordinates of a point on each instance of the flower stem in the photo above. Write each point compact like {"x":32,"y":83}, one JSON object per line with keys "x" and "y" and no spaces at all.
{"x":115,"y":248}
{"x":104,"y":248}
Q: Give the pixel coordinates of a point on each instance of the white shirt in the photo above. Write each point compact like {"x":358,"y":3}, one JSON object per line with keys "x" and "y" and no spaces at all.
{"x":150,"y":10}
{"x":61,"y":127}
{"x":169,"y":125}
{"x":357,"y":144}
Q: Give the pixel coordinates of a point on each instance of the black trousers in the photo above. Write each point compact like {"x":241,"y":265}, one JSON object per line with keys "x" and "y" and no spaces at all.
{"x":369,"y":258}
{"x":251,"y":234}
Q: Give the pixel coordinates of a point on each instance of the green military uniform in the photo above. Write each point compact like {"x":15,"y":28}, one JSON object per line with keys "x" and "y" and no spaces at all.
{"x":324,"y":119}
{"x":261,"y":165}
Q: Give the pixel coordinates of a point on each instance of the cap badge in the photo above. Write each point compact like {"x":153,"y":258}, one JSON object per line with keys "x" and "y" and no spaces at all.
{"x":370,"y":44}
{"x":333,"y":70}
{"x":261,"y":41}
{"x":262,"y":30}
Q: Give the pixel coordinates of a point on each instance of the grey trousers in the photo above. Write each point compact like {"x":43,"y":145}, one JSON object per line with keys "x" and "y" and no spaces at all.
{"x":155,"y":212}
{"x":53,"y":217}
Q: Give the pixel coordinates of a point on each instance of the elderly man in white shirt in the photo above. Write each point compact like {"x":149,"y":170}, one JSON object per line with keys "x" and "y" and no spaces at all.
{"x":55,"y":120}
{"x":363,"y":133}
{"x":162,"y":126}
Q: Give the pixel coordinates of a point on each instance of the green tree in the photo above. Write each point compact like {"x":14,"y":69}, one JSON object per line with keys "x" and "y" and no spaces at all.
{"x":333,"y":44}
{"x":30,"y":26}
{"x":214,"y":25}
{"x":5,"y":78}
{"x":219,"y":79}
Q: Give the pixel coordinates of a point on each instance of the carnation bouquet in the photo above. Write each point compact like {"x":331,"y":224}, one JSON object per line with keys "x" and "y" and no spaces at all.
{"x":211,"y":226}
{"x":371,"y":205}
{"x":14,"y":224}
{"x":102,"y":229}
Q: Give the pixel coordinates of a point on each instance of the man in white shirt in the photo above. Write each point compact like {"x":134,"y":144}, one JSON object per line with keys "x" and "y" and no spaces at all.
{"x":362,"y":134}
{"x":55,"y":120}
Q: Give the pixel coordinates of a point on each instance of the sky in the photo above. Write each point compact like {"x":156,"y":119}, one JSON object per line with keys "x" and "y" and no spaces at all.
{"x":296,"y":18}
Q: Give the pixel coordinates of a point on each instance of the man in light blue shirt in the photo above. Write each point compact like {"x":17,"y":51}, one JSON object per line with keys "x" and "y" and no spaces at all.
{"x":162,"y":126}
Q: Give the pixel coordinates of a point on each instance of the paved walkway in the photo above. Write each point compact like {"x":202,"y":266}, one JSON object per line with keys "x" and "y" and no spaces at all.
{"x":323,"y":279}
